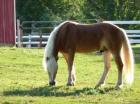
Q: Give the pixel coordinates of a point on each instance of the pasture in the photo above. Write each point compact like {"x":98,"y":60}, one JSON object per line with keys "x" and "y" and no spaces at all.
{"x":23,"y":80}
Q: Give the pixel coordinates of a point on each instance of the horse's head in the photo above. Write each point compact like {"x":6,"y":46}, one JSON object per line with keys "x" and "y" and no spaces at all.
{"x":50,"y":64}
{"x":50,"y":56}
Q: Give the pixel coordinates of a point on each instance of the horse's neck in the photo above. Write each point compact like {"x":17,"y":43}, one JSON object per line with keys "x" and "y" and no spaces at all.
{"x":52,"y":49}
{"x":55,"y":50}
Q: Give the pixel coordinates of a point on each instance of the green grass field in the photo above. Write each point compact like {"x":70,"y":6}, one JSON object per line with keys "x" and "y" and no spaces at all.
{"x":23,"y":80}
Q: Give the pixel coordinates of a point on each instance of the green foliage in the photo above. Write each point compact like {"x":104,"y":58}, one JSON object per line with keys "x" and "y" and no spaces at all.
{"x":23,"y":80}
{"x":29,"y":9}
{"x":78,"y":9}
{"x":112,"y":9}
{"x":50,"y":9}
{"x":128,"y":10}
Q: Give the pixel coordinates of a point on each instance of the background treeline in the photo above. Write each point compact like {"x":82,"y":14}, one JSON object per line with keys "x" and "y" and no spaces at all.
{"x":78,"y":9}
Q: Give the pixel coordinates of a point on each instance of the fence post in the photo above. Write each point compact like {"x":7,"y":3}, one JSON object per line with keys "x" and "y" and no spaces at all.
{"x":30,"y":37}
{"x":40,"y":39}
{"x":19,"y":37}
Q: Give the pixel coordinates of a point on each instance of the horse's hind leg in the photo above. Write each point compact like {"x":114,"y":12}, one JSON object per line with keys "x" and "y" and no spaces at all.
{"x":119,"y":63}
{"x":107,"y":57}
{"x":71,"y":69}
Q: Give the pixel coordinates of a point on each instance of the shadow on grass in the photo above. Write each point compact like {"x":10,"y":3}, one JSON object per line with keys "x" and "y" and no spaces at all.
{"x":57,"y":91}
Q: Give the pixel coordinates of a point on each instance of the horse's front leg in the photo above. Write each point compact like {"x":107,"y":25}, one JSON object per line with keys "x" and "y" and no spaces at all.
{"x":73,"y":73}
{"x":71,"y":69}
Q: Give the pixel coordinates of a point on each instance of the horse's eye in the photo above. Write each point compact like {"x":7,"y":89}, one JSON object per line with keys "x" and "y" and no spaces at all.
{"x":47,"y":58}
{"x":57,"y":58}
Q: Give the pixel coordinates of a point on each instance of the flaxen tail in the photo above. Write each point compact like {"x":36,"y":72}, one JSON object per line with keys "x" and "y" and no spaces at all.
{"x":128,"y":59}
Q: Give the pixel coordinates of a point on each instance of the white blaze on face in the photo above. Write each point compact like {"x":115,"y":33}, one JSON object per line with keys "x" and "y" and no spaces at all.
{"x":51,"y":67}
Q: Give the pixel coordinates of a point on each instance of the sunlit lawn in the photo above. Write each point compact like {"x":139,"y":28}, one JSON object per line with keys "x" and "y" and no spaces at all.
{"x":23,"y":80}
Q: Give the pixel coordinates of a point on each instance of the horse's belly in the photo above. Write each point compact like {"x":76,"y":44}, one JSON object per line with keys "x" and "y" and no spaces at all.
{"x":87,"y":48}
{"x":88,"y":44}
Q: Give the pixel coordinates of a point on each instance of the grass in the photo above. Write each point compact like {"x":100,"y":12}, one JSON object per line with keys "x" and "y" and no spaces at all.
{"x":23,"y":81}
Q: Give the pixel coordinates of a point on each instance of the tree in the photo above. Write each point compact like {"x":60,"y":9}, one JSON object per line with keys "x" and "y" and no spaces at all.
{"x":112,"y":9}
{"x":29,"y":9}
{"x":78,"y":9}
{"x":65,"y":9}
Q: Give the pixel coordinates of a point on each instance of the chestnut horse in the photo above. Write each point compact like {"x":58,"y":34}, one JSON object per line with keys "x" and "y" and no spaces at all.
{"x":71,"y":37}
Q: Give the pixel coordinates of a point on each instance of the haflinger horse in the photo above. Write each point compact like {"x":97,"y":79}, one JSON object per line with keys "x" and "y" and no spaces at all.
{"x":70,"y":37}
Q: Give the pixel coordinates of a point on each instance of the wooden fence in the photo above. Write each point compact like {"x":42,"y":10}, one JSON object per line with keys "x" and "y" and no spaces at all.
{"x":36,"y":33}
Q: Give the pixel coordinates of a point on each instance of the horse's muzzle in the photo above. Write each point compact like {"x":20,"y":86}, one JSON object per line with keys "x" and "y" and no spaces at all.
{"x":52,"y":83}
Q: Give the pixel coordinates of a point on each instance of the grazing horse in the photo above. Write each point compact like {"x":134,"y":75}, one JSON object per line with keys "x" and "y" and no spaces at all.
{"x":71,"y":37}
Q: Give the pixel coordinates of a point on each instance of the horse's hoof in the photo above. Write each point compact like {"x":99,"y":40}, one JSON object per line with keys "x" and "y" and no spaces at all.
{"x":99,"y":85}
{"x":118,"y":87}
{"x":70,"y":84}
{"x":96,"y":87}
{"x":51,"y":83}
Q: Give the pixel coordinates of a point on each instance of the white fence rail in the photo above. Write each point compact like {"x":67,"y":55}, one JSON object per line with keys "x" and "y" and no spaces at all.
{"x":40,"y":39}
{"x":124,"y":22}
{"x":30,"y":42}
{"x":31,"y":34}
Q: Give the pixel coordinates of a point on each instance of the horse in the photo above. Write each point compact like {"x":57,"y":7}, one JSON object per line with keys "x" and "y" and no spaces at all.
{"x":70,"y":37}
